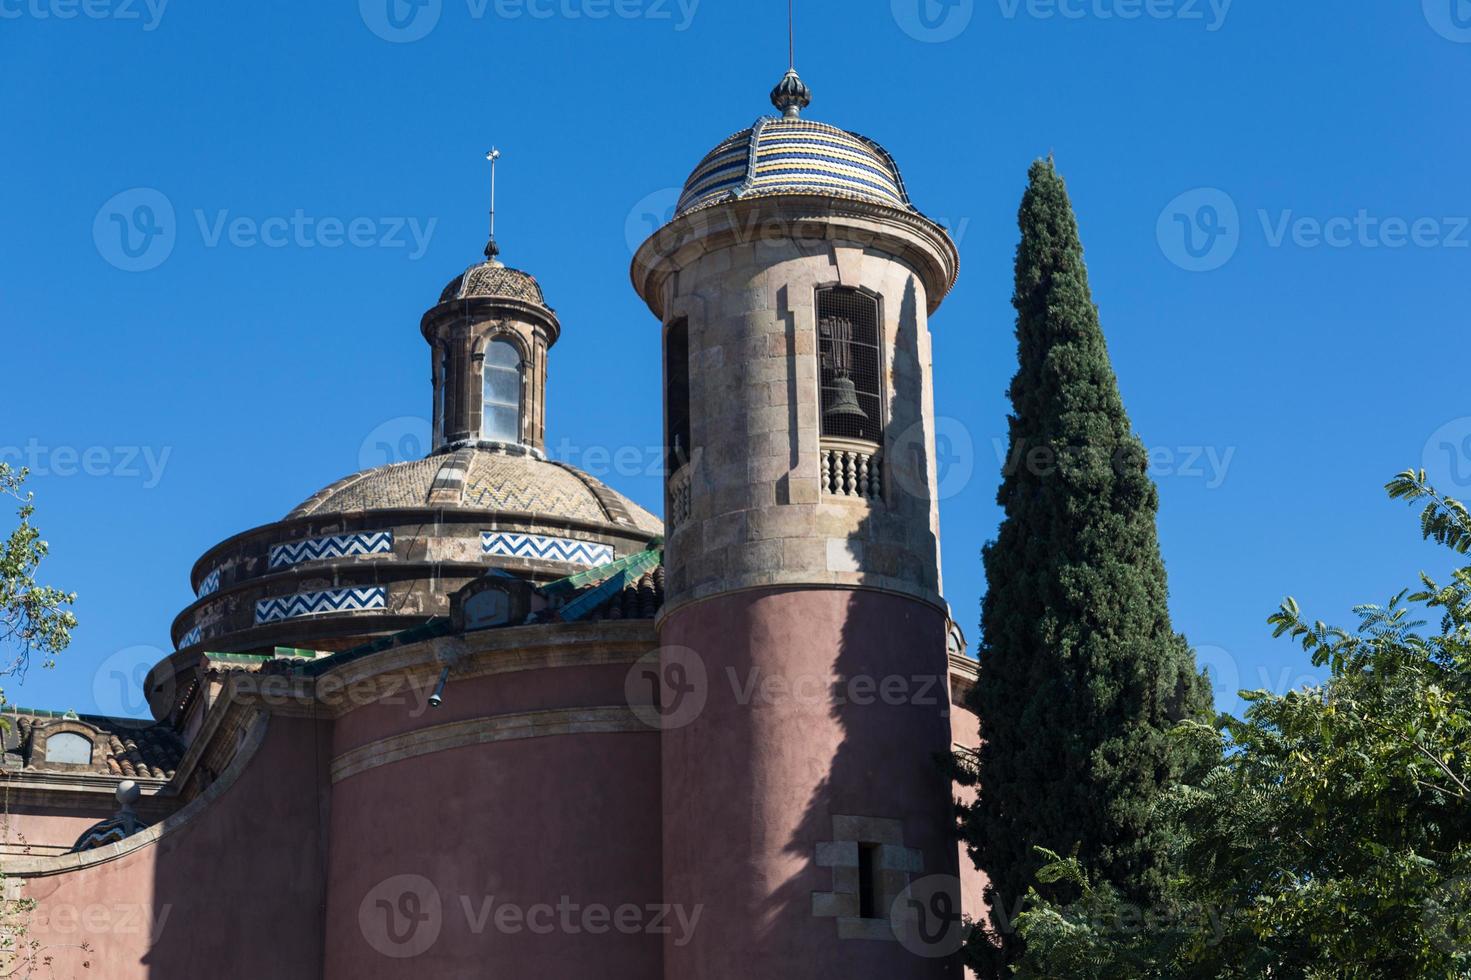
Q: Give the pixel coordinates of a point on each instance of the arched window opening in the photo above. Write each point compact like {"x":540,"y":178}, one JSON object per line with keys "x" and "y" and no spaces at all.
{"x":677,"y":396}
{"x":69,"y":747}
{"x":502,"y":412}
{"x":848,"y":353}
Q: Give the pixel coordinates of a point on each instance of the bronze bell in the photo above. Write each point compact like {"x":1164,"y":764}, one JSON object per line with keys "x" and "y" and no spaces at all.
{"x":845,"y":399}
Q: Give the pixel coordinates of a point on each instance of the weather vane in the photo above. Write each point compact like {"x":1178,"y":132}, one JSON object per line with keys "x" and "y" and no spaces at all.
{"x":491,"y":250}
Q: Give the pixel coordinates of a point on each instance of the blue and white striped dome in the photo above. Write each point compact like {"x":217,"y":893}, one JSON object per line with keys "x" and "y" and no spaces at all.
{"x":790,"y":155}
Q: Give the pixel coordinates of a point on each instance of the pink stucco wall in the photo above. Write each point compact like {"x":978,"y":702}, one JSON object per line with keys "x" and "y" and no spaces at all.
{"x":406,"y":708}
{"x":524,"y":858}
{"x":570,"y":855}
{"x":236,"y":891}
{"x":752,"y":782}
{"x":40,"y":830}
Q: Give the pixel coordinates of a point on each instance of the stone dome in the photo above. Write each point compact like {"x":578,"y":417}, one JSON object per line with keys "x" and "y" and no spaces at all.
{"x":790,"y":155}
{"x":484,"y":479}
{"x":491,"y":279}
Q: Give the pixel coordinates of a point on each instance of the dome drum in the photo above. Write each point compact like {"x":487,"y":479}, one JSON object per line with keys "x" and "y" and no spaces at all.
{"x":382,"y":550}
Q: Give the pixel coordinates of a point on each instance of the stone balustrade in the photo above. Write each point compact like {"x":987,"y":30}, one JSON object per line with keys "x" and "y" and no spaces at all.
{"x":852,"y":470}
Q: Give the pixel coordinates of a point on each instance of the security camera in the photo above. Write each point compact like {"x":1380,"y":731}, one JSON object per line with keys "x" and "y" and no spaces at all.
{"x":437,"y":698}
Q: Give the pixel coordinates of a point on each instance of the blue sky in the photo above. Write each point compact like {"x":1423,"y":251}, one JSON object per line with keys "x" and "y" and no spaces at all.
{"x":1292,"y":353}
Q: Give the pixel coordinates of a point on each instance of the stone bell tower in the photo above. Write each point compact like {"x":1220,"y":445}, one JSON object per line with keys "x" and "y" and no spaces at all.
{"x":803,"y":639}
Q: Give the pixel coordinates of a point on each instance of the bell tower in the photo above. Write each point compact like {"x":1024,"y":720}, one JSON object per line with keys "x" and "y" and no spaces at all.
{"x":803,"y":638}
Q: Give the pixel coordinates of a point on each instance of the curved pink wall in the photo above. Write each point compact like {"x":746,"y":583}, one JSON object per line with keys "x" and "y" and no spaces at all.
{"x":560,"y":831}
{"x":751,"y":788}
{"x":605,"y":864}
{"x":407,"y":708}
{"x":41,"y":830}
{"x":236,"y":891}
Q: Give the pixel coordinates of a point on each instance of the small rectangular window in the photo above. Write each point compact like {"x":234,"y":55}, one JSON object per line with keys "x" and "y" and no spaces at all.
{"x":848,"y":360}
{"x":677,"y":396}
{"x":870,"y":902}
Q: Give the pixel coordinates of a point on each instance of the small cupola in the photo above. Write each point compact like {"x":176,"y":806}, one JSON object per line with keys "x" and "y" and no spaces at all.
{"x":488,"y":337}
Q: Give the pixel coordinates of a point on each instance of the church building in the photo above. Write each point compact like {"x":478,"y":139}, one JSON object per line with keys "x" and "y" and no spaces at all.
{"x":481,"y":715}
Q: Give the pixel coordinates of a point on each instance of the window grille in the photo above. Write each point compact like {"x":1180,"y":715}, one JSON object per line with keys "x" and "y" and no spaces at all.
{"x":848,"y":354}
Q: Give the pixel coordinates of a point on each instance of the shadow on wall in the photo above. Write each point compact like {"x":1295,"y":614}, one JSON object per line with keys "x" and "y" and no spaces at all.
{"x":878,"y":837}
{"x":239,"y":890}
{"x":230,"y":886}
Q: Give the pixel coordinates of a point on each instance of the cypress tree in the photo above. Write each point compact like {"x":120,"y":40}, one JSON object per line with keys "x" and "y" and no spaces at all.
{"x":1081,"y":673}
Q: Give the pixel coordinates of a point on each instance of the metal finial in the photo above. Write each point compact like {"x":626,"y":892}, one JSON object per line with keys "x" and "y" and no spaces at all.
{"x":792,"y":34}
{"x":791,"y":95}
{"x":491,"y":248}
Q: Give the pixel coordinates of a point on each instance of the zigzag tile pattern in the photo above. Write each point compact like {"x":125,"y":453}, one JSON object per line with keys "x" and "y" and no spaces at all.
{"x":210,"y":585}
{"x":498,"y":481}
{"x":316,"y":603}
{"x":336,"y":546}
{"x":190,"y":638}
{"x":569,"y":551}
{"x":394,"y":485}
{"x":481,"y":479}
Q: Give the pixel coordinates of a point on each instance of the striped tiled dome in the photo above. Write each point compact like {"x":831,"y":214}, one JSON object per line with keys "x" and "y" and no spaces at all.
{"x":795,"y":156}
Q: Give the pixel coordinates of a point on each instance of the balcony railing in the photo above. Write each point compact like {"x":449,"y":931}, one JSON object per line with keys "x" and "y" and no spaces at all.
{"x":852,"y":469}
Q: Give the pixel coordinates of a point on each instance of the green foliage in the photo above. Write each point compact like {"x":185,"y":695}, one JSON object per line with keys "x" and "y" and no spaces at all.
{"x":34,"y":619}
{"x":1081,"y":675}
{"x":1332,"y":838}
{"x":1443,"y":520}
